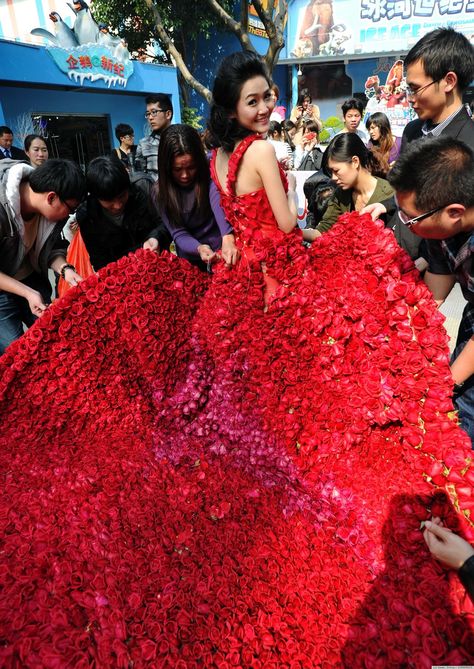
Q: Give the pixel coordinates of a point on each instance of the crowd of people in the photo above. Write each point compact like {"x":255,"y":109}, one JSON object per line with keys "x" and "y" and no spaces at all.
{"x":242,"y":205}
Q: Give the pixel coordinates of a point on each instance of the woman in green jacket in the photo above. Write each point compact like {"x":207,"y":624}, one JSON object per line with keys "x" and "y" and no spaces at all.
{"x":352,"y":167}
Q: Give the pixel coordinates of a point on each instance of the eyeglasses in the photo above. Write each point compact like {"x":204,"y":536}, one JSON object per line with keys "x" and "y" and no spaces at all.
{"x":413,"y":93}
{"x":71,"y":210}
{"x":154,"y":112}
{"x":406,"y":220}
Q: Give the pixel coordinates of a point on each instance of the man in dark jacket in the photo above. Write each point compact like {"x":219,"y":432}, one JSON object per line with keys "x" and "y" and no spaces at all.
{"x":439,"y":69}
{"x":117,"y":217}
{"x":34,"y":205}
{"x":7,"y":150}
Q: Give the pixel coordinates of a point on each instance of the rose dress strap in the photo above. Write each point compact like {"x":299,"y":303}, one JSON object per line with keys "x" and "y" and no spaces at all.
{"x":234,"y":161}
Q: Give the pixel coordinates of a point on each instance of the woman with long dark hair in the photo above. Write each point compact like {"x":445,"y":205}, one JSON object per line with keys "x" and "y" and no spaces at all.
{"x":383,"y":144}
{"x":353,"y":166}
{"x":188,"y":201}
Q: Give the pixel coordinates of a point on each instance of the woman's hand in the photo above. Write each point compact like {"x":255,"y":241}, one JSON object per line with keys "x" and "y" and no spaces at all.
{"x":151,"y":245}
{"x":285,"y":163}
{"x":375,"y":210}
{"x":230,"y":253}
{"x":205,"y":252}
{"x":445,"y":546}
{"x":72,"y":277}
{"x":35,"y":302}
{"x":291,"y":182}
{"x":310,"y":234}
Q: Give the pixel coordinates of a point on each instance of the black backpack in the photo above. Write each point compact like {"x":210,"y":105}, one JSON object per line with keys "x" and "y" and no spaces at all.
{"x":318,"y":189}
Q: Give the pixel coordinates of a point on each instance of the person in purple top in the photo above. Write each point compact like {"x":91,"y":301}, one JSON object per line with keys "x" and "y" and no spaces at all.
{"x":382,"y":142}
{"x":188,"y":201}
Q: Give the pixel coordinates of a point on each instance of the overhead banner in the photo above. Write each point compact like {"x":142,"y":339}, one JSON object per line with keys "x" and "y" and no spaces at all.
{"x":353,"y":27}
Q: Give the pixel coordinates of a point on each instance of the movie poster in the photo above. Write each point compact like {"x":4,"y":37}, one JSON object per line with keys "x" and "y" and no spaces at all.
{"x":348,"y":27}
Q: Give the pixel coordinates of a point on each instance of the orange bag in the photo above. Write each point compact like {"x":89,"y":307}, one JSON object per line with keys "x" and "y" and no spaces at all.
{"x":76,"y":255}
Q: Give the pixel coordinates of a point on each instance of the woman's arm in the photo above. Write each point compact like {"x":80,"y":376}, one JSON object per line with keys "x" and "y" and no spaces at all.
{"x":230,"y":252}
{"x":215,"y":202}
{"x":284,"y":205}
{"x":332,"y":213}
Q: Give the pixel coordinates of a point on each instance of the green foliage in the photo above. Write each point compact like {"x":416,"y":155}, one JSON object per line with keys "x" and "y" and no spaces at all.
{"x":333,"y":122}
{"x":134,"y":21}
{"x":324,"y":136}
{"x":190,"y":116}
{"x":331,"y":126}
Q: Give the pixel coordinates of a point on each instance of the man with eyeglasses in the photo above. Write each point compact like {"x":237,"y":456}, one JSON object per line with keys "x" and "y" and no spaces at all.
{"x":34,"y":206}
{"x":439,"y":68}
{"x":159,"y":113}
{"x":434,"y":184}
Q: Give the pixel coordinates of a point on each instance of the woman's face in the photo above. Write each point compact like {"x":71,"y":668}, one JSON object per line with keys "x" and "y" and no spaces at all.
{"x":255,"y":105}
{"x":38,"y":152}
{"x":291,"y":133}
{"x":374,"y":132}
{"x":306,"y":103}
{"x":184,"y":170}
{"x":344,"y":174}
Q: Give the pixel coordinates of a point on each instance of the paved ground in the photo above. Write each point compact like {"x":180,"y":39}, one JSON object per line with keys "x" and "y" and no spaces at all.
{"x":452,"y":309}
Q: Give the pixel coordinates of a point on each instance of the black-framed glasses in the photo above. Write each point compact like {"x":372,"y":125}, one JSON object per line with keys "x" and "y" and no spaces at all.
{"x":412,"y":93}
{"x":71,"y":210}
{"x":153,"y":112}
{"x":406,"y":220}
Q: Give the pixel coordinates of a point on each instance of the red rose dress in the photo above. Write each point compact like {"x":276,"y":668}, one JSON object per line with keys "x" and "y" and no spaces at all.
{"x":232,"y":472}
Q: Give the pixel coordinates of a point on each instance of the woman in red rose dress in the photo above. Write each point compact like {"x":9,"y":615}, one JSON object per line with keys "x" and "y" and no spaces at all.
{"x":233,"y":471}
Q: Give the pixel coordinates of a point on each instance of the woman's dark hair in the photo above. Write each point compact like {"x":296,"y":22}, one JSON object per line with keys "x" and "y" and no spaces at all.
{"x":123,"y":129}
{"x":29,"y":139}
{"x":310,"y":126}
{"x":304,"y":93}
{"x":286,"y":126}
{"x":273,"y":128}
{"x":107,"y":178}
{"x":275,"y":90}
{"x":345,"y":146}
{"x":382,"y":148}
{"x":352,"y":103}
{"x":231,"y":75}
{"x":179,"y":140}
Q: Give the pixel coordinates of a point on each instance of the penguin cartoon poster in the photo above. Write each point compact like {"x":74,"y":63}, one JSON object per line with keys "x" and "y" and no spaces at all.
{"x":84,"y":49}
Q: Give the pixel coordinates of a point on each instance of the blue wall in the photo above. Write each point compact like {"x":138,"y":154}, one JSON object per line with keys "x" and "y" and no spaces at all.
{"x":31,"y":82}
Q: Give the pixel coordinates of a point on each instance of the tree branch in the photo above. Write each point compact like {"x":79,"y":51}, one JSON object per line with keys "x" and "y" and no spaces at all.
{"x":244,"y":15}
{"x":171,"y":48}
{"x":274,"y":27}
{"x":232,"y":25}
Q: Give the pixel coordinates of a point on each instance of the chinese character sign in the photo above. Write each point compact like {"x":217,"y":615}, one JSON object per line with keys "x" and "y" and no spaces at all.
{"x":94,"y":63}
{"x":337,"y":27}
